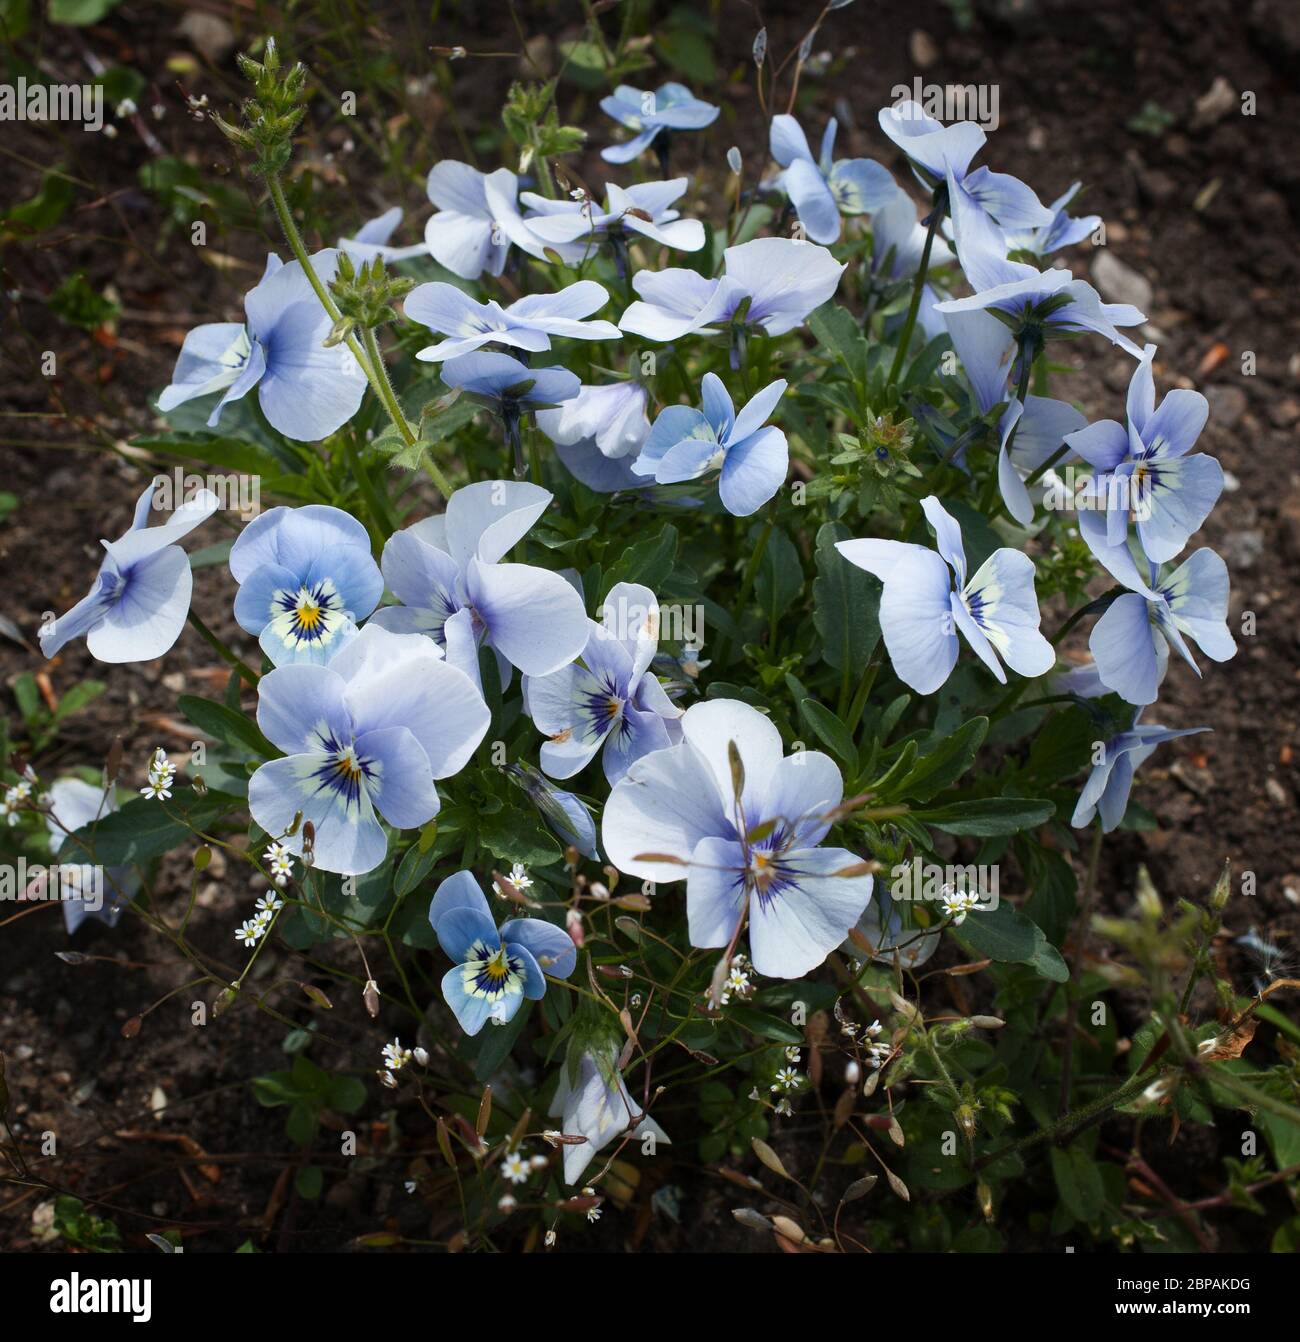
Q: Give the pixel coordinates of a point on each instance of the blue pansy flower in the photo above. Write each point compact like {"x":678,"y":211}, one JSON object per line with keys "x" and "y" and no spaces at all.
{"x":494,"y":968}
{"x":1164,"y":607}
{"x":649,"y":115}
{"x":610,"y":699}
{"x":755,"y":856}
{"x":364,"y":739}
{"x":1030,"y":436}
{"x":477,"y":220}
{"x":574,"y":228}
{"x":821,"y":189}
{"x":943,"y":154}
{"x":1050,"y":303}
{"x":446,"y":572}
{"x":685,"y":444}
{"x":921,"y":609}
{"x":1110,"y":782}
{"x":783,"y":278}
{"x":598,"y":434}
{"x":527,"y":324}
{"x":1062,"y":231}
{"x":1144,"y":472}
{"x":592,"y":1101}
{"x":510,"y":388}
{"x":306,"y":391}
{"x":137,"y":607}
{"x":305,"y":576}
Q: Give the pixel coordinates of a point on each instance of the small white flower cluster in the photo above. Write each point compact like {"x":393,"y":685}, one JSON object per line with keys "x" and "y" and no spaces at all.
{"x":253,"y":929}
{"x":161,"y":773}
{"x":395,"y":1058}
{"x":280,"y":861}
{"x":593,"y":1213}
{"x":877,"y":1052}
{"x":958,"y":903}
{"x":13,"y":800}
{"x":737,"y":983}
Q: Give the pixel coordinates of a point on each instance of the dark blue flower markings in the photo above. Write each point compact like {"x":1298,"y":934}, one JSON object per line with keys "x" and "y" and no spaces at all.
{"x":305,"y":616}
{"x":492,"y":971}
{"x":343,"y":772}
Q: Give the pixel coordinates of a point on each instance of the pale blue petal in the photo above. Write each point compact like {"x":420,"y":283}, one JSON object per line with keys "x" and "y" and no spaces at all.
{"x":400,"y":782}
{"x":1123,"y":647}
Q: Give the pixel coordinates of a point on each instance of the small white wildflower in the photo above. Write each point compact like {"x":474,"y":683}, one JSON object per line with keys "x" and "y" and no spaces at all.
{"x":156,"y":788}
{"x":387,"y":1079}
{"x":792,"y":1053}
{"x":270,"y":903}
{"x":520,"y":878}
{"x":410,"y":1185}
{"x":127,"y":107}
{"x":19,"y":791}
{"x":515,"y":1167}
{"x":787,"y":1079}
{"x":784,"y":1108}
{"x":875,"y":1028}
{"x":395,"y":1056}
{"x":507,"y":1203}
{"x":249,"y":932}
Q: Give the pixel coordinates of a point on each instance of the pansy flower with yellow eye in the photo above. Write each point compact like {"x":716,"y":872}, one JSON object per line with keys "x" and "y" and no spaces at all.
{"x":305,"y":576}
{"x":495,"y":968}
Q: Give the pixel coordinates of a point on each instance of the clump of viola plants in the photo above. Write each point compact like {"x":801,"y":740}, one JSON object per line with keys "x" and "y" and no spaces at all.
{"x":680,"y":677}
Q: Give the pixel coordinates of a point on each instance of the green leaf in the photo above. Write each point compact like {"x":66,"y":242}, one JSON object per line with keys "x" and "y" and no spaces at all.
{"x":1006,"y":935}
{"x":836,"y":328}
{"x":495,"y":1044}
{"x":515,"y":836}
{"x":309,"y":1181}
{"x":80,"y":12}
{"x":1078,"y":1181}
{"x":345,"y":1094}
{"x":846,"y":604}
{"x":649,"y":561}
{"x":145,"y":829}
{"x":780,"y":575}
{"x":225,"y":724}
{"x":764,"y":1025}
{"x":988,"y":816}
{"x":944,"y":765}
{"x":415,"y":866}
{"x":830,"y":730}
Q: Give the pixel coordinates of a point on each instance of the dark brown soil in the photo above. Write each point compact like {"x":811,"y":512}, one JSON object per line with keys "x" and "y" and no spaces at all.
{"x":1207,"y":213}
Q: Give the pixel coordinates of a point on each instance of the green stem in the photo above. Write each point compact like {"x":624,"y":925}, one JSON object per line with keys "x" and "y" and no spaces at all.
{"x":376,"y":373}
{"x":1068,"y":1122}
{"x":246,"y":672}
{"x":918,"y":285}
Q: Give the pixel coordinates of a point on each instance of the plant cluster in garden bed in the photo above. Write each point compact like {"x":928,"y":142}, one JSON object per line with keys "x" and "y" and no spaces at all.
{"x":653,"y":774}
